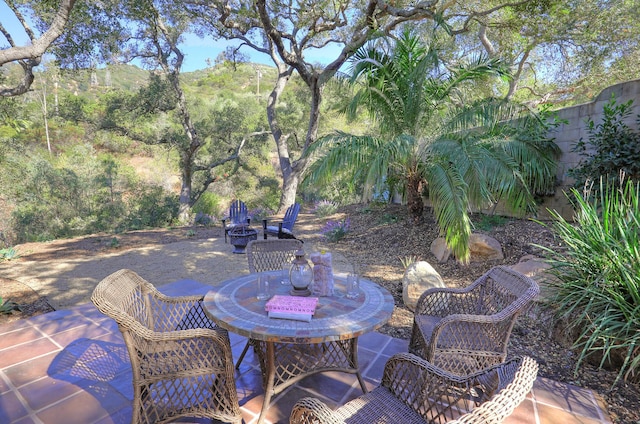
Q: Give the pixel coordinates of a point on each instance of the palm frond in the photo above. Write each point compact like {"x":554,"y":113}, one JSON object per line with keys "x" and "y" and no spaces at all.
{"x":448,"y":194}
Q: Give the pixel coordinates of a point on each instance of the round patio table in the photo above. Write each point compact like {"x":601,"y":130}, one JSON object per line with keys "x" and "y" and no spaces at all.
{"x":290,"y":350}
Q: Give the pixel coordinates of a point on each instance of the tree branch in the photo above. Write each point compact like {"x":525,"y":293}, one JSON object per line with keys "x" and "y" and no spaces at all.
{"x":30,"y":56}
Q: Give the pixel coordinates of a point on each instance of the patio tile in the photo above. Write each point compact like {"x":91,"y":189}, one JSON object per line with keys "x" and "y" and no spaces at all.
{"x":25,"y":351}
{"x":573,"y":399}
{"x":11,"y":408}
{"x":45,"y":391}
{"x":18,"y":336}
{"x":89,"y":380}
{"x":28,"y":371}
{"x":83,"y":407}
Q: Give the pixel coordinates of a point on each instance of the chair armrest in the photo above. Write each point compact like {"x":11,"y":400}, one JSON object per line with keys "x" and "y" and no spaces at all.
{"x":310,"y":410}
{"x":424,"y":387}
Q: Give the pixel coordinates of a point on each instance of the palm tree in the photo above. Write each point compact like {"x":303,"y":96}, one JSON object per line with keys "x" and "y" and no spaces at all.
{"x":464,"y":156}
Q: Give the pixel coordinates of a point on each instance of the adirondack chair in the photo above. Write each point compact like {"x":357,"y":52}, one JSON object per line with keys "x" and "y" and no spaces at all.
{"x":237,"y":216}
{"x":284,"y":229}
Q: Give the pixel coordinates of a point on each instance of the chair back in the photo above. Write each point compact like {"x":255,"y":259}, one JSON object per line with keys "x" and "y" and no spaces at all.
{"x":238,"y":212}
{"x":290,"y":217}
{"x":512,"y":380}
{"x":124,"y":296}
{"x":506,"y":290}
{"x":272,"y":254}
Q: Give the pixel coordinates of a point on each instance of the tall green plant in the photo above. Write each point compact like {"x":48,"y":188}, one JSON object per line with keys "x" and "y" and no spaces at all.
{"x":598,"y":273}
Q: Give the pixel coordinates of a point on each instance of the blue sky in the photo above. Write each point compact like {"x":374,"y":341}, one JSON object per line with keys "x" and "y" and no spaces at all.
{"x":196,"y":50}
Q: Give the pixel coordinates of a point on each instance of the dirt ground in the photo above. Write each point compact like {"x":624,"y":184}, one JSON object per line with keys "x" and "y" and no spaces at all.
{"x":63,"y":273}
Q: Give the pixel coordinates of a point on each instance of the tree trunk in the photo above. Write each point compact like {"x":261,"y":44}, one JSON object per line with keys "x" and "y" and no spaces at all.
{"x":414,"y":198}
{"x":184,"y":210}
{"x":289,"y":190}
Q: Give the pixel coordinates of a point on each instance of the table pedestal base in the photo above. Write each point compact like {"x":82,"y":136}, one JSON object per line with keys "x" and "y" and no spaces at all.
{"x":284,"y":364}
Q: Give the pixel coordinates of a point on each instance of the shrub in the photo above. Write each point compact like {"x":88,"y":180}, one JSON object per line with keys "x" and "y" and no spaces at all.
{"x":597,"y":290}
{"x":208,"y":204}
{"x":152,"y":207}
{"x":8,"y":254}
{"x":325,"y":208}
{"x":8,"y":306}
{"x":258,"y":214}
{"x":407,"y":261}
{"x":334,"y":231}
{"x":613,"y":147}
{"x":488,"y":222}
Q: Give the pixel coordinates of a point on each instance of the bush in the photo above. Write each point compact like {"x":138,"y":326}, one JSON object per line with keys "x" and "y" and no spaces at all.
{"x":152,"y":207}
{"x":325,"y":208}
{"x":207,"y":204}
{"x":334,"y":231}
{"x":612,"y":148}
{"x":598,"y":275}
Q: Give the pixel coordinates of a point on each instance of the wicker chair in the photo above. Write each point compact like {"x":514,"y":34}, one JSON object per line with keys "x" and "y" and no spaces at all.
{"x":181,"y":362}
{"x":269,"y":255}
{"x":466,"y":330}
{"x":414,"y":391}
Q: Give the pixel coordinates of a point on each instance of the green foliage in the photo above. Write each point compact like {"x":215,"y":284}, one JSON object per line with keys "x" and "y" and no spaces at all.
{"x":597,"y":288}
{"x":8,"y":306}
{"x":488,"y":222}
{"x":388,"y":218}
{"x":407,"y":261}
{"x":208,"y":203}
{"x":325,"y":208}
{"x":79,"y":192}
{"x":436,"y":138}
{"x":612,"y":147}
{"x":334,"y":231}
{"x":151,"y":207}
{"x":8,"y":254}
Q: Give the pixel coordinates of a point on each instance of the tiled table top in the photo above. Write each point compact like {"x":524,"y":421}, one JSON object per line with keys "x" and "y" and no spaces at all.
{"x":233,"y":305}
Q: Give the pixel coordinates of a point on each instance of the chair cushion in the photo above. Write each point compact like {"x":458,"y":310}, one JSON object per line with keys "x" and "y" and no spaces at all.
{"x":271,"y":229}
{"x":378,"y":406}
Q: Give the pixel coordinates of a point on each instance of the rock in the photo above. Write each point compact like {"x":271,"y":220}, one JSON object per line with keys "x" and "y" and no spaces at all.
{"x":440,"y":250}
{"x":535,"y":267}
{"x":481,"y":247}
{"x":484,"y":248}
{"x":418,"y":277}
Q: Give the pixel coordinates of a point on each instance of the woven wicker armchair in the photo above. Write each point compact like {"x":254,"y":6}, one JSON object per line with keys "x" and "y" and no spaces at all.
{"x":269,"y":255}
{"x":466,"y":330}
{"x":181,"y":362}
{"x":414,"y":391}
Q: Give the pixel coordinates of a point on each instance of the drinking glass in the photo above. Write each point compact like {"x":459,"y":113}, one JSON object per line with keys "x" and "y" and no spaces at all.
{"x":353,"y":286}
{"x":263,"y":287}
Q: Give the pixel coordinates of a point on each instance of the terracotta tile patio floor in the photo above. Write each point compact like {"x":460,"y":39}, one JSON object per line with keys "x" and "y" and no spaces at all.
{"x":70,"y":366}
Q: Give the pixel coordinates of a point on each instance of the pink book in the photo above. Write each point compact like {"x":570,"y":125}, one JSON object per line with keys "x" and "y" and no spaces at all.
{"x":292,"y":304}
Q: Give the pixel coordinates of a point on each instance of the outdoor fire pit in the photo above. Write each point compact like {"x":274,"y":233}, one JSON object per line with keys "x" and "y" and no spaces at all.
{"x":240,"y":236}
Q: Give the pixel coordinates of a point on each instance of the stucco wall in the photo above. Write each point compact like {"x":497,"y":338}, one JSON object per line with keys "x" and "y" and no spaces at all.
{"x":567,"y":135}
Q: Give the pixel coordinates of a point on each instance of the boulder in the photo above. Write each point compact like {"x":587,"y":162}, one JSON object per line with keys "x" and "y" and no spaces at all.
{"x":484,"y":248}
{"x":481,"y":247}
{"x":440,"y":250}
{"x":536,"y":268}
{"x":418,"y":277}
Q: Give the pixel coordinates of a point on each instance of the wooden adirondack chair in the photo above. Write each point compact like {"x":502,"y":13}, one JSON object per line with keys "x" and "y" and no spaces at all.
{"x":284,"y":229}
{"x":237,"y":216}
